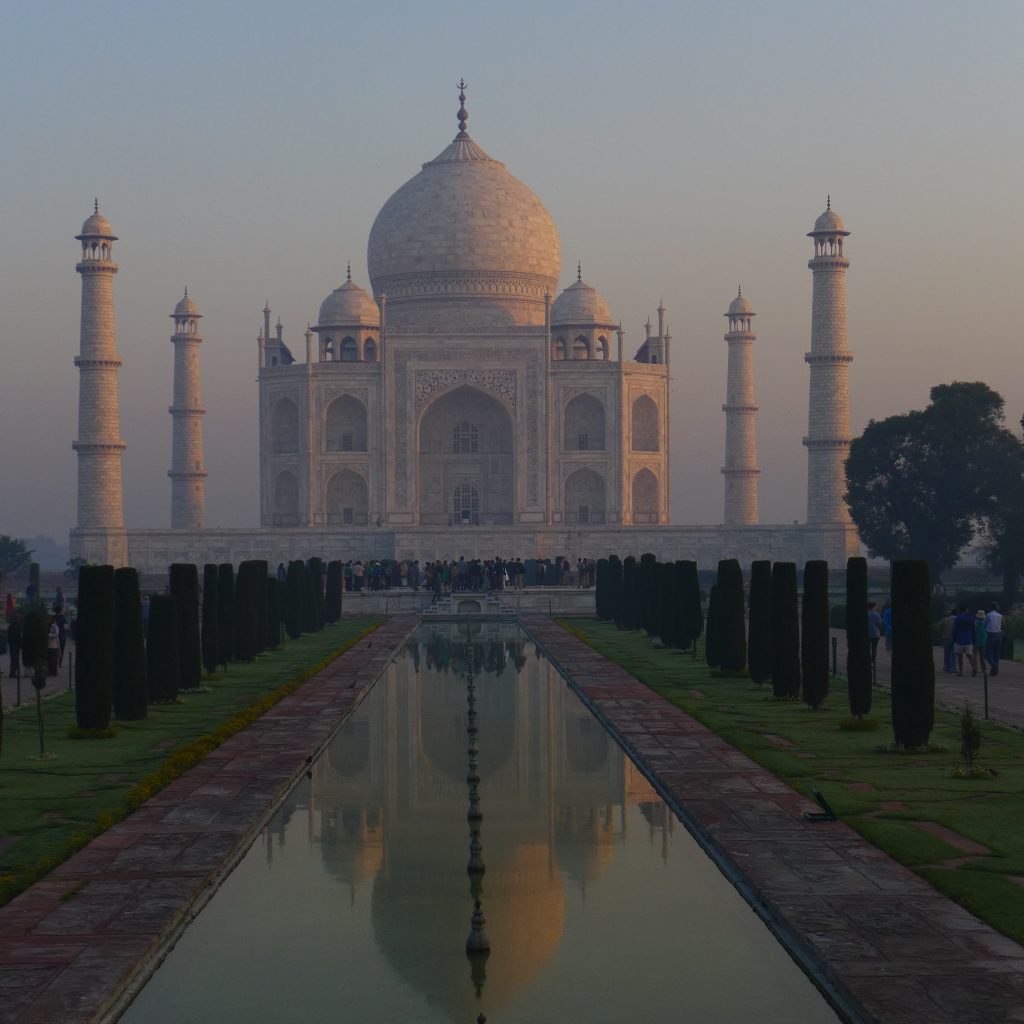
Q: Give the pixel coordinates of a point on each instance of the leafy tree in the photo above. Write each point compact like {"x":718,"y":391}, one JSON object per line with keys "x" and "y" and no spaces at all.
{"x":94,"y":642}
{"x":1004,"y":548}
{"x":184,"y":586}
{"x":913,"y":665}
{"x":858,"y":650}
{"x":759,"y":641}
{"x":14,"y":556}
{"x":785,"y":632}
{"x":130,"y":687}
{"x":814,"y":634}
{"x":919,"y":483}
{"x":210,"y":638}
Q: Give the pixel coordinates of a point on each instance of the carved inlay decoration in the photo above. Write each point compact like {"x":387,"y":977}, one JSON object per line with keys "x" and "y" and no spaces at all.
{"x":499,"y":382}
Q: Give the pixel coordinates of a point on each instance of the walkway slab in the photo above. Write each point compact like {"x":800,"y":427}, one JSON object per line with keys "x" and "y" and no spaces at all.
{"x":883,"y":945}
{"x":72,"y":944}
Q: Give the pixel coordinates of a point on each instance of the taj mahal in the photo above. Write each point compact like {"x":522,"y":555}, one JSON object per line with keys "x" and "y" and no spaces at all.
{"x":462,"y":402}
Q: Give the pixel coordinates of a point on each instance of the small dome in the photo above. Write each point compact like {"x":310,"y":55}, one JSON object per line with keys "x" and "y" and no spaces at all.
{"x":97,"y":226}
{"x":581,"y":304}
{"x":348,"y":304}
{"x":186,"y":309}
{"x":740,"y":306}
{"x":829,"y":223}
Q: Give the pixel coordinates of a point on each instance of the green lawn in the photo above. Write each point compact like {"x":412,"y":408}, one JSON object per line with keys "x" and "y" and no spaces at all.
{"x":884,"y":796}
{"x":51,"y":807}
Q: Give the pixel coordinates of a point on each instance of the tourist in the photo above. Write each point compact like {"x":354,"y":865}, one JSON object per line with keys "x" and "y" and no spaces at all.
{"x":14,"y":643}
{"x":541,"y":572}
{"x":282,"y":573}
{"x":874,"y":631}
{"x":963,"y":640}
{"x":9,"y":607}
{"x":62,"y":629}
{"x":980,"y":638}
{"x":994,"y":641}
{"x":357,"y":576}
{"x":887,"y":622}
{"x":946,"y":635}
{"x":52,"y":648}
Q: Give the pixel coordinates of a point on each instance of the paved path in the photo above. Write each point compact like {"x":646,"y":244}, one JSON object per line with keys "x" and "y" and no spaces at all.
{"x":882,"y":943}
{"x":72,"y":943}
{"x":1005,"y":691}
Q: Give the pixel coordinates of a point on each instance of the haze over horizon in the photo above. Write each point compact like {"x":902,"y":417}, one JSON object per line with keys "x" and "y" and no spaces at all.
{"x":681,"y":149}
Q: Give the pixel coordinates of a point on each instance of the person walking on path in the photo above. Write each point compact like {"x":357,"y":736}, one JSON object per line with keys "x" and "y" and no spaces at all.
{"x":948,"y":654}
{"x":874,"y":632}
{"x":994,"y":639}
{"x":52,"y":648}
{"x":963,"y":641}
{"x":887,"y":622}
{"x":980,"y":639}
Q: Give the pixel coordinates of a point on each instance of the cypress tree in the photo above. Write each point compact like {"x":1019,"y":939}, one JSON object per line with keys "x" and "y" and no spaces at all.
{"x":712,"y":647}
{"x":785,"y":632}
{"x":630,"y":593}
{"x":759,"y":641}
{"x":858,"y":650}
{"x":211,"y":619}
{"x":185,"y":591}
{"x":246,"y":611}
{"x":94,"y":641}
{"x":913,"y":666}
{"x":130,"y":691}
{"x":668,"y":602}
{"x":693,"y":613}
{"x":732,"y":618}
{"x":814,"y":633}
{"x":259,"y":600}
{"x":316,"y":575}
{"x":273,"y":638}
{"x":333,"y":597}
{"x":296,"y":600}
{"x":648,"y":583}
{"x":225,"y":613}
{"x":615,"y":590}
{"x":162,"y":650}
{"x":308,"y":599}
{"x":601,"y":602}
{"x":34,"y":640}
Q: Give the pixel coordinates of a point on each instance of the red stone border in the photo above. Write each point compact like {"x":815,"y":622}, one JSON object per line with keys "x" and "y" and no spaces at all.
{"x":879,"y":941}
{"x":72,"y":944}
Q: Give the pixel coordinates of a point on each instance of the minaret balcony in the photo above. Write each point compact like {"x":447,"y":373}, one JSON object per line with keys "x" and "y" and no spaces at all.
{"x":828,"y":357}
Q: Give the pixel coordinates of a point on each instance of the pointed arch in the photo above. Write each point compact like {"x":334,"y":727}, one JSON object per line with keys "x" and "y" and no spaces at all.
{"x":584,"y":497}
{"x":580,"y":347}
{"x":284,"y":427}
{"x":644,"y":425}
{"x":646,"y":497}
{"x":583,"y":424}
{"x":286,"y":499}
{"x":347,"y":499}
{"x":346,"y":425}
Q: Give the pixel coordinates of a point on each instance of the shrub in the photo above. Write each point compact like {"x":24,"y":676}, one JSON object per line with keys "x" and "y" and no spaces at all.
{"x":211,"y":619}
{"x":273,"y":637}
{"x":631,"y":610}
{"x":225,"y":613}
{"x":296,"y":599}
{"x":162,"y":650}
{"x":185,"y":591}
{"x":732,"y":643}
{"x":785,"y":632}
{"x":130,"y":689}
{"x":615,"y":599}
{"x":712,"y":647}
{"x":913,"y":666}
{"x":858,"y":649}
{"x":94,"y":639}
{"x":333,"y":597}
{"x":814,"y":634}
{"x":759,"y":641}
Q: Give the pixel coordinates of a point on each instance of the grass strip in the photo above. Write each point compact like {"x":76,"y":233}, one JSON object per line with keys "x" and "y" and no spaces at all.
{"x":975,"y":856}
{"x":50,"y":809}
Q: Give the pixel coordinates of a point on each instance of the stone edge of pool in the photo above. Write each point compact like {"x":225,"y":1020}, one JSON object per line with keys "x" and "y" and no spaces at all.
{"x":878,"y":941}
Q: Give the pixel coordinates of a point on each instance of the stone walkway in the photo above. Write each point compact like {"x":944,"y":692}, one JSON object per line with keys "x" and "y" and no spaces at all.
{"x":71,"y":944}
{"x":884,"y":945}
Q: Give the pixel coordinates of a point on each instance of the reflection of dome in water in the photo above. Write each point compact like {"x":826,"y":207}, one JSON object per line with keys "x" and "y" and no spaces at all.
{"x":586,"y":743}
{"x":352,"y":844}
{"x":585,"y":841}
{"x":421,"y":918}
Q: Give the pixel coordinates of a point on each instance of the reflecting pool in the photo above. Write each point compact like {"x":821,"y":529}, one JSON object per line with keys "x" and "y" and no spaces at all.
{"x":355,"y":903}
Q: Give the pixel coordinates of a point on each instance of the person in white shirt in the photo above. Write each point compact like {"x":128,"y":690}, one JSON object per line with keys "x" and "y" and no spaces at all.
{"x":994,"y":642}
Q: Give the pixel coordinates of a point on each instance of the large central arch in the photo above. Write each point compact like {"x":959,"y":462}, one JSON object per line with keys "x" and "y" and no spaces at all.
{"x":465,"y":443}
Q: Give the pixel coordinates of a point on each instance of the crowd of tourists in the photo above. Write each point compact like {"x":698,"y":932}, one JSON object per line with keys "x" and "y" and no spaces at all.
{"x":56,"y":631}
{"x":976,"y":637}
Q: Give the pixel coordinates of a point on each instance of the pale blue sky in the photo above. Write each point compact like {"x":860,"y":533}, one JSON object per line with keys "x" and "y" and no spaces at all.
{"x":245,"y":148}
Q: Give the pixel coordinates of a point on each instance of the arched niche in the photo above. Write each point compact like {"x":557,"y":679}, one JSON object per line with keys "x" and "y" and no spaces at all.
{"x":584,"y":497}
{"x":284,"y":427}
{"x":645,"y":497}
{"x":286,"y":499}
{"x":370,"y":351}
{"x":346,"y":425}
{"x":602,"y":349}
{"x":558,"y":349}
{"x":347,"y":499}
{"x":580,"y":348}
{"x":349,"y":351}
{"x":644,"y":425}
{"x":465,"y":438}
{"x":583,"y":424}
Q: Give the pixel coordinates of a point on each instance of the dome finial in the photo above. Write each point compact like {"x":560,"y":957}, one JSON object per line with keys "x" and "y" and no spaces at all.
{"x":579,"y":270}
{"x":96,"y":205}
{"x":186,"y":291}
{"x":463,"y":114}
{"x":348,"y":271}
{"x":828,"y":202}
{"x":739,"y":291}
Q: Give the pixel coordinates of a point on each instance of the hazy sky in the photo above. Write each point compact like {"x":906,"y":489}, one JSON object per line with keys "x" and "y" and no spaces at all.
{"x":244,"y":149}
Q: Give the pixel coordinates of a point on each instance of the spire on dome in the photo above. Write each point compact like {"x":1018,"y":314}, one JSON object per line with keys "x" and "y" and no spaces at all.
{"x":348,"y":271}
{"x":828,"y":202}
{"x":579,"y":270}
{"x":96,"y":205}
{"x":739,"y":291}
{"x":463,"y":114}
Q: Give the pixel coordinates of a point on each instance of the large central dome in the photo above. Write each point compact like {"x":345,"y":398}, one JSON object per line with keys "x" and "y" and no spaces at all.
{"x":464,"y":244}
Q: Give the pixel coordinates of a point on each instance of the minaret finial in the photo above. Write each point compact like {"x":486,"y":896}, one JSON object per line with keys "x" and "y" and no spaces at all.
{"x":739,"y":291}
{"x":579,"y":270}
{"x":186,"y":291}
{"x":463,"y":114}
{"x":828,"y":202}
{"x":96,"y":205}
{"x":348,"y":271}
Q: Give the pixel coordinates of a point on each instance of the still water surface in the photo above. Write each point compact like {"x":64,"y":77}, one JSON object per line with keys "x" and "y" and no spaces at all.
{"x":354,"y":904}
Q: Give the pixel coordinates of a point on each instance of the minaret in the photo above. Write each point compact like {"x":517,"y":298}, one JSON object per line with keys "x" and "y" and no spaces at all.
{"x":740,"y":469}
{"x":828,"y":414}
{"x":99,"y":536}
{"x":187,"y":472}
